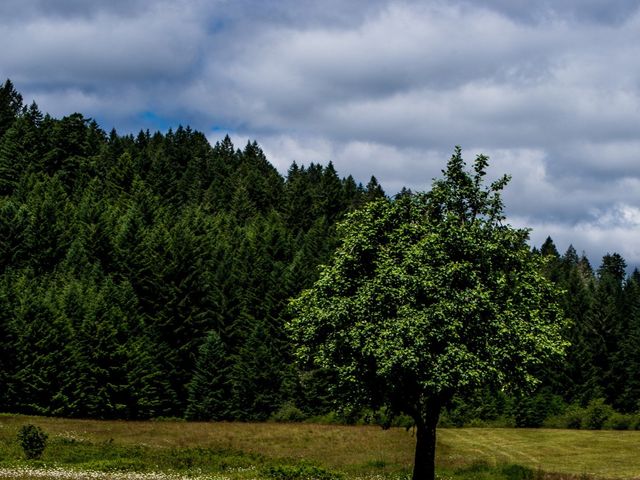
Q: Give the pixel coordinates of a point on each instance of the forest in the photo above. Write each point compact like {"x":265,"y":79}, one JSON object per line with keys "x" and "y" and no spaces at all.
{"x":149,"y":275}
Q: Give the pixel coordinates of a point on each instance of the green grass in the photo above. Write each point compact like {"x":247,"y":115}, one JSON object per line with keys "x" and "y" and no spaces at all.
{"x":609,"y":454}
{"x":271,"y":451}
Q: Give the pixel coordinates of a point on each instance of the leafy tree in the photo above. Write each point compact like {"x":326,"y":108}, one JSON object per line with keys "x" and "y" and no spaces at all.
{"x":427,"y":296}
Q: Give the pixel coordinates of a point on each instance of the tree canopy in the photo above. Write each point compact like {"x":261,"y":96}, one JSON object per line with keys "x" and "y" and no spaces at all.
{"x":427,"y":296}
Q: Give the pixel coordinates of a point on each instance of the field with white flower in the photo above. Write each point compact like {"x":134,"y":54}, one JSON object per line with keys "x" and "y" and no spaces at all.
{"x":177,"y":450}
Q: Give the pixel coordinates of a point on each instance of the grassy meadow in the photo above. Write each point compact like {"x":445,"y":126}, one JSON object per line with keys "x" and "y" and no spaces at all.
{"x":276,"y":451}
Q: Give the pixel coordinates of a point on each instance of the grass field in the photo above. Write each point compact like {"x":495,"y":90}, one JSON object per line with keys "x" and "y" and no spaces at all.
{"x":295,"y":451}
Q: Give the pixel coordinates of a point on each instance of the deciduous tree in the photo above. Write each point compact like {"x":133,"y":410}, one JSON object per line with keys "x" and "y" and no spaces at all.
{"x":427,"y":296}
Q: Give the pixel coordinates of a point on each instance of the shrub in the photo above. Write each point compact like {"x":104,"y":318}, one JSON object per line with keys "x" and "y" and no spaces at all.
{"x":288,"y":413}
{"x":331,"y":418}
{"x":596,"y":414}
{"x":33,"y":441}
{"x":117,"y":465}
{"x":620,"y":421}
{"x":532,"y":411}
{"x":481,"y":470}
{"x":168,"y":419}
{"x":299,"y":472}
{"x":517,"y":472}
{"x":573,"y":417}
{"x":385,"y":419}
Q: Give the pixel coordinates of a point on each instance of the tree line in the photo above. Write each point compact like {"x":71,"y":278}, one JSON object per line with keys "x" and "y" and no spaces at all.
{"x":149,"y":275}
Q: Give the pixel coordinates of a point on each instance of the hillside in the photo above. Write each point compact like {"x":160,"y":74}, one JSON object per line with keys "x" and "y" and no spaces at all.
{"x":148,"y":276}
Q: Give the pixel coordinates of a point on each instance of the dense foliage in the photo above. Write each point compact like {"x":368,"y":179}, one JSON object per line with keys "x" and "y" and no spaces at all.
{"x":33,"y":441}
{"x":428,"y":296}
{"x":147,"y":275}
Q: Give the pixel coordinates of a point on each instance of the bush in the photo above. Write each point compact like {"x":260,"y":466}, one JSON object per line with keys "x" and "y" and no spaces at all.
{"x":117,"y":465}
{"x":596,"y":414}
{"x":481,"y":470}
{"x":573,"y":417}
{"x":168,"y":419}
{"x":517,"y":472}
{"x":33,"y":441}
{"x":384,"y":419}
{"x":620,"y":421}
{"x":299,"y":472}
{"x":288,"y":413}
{"x":331,"y":418}
{"x":532,"y":411}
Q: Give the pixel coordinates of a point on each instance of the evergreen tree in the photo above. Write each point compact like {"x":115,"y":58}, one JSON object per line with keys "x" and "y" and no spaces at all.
{"x":14,"y":224}
{"x":553,"y":263}
{"x":628,"y":355}
{"x":605,"y":330}
{"x":570,"y":379}
{"x":298,"y":199}
{"x":256,"y":379}
{"x":10,"y":106}
{"x":39,"y":337}
{"x":331,"y":202}
{"x":47,"y":236}
{"x":373,"y":190}
{"x":21,"y":150}
{"x":209,"y":389}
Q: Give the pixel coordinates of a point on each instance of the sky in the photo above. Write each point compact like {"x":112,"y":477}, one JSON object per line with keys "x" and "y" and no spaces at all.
{"x":549,"y":90}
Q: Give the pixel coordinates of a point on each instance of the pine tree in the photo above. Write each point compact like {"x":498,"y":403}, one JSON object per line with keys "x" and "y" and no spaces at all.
{"x":209,"y":388}
{"x":605,"y":328}
{"x":47,"y":235}
{"x":373,"y":190}
{"x":256,"y":379}
{"x":14,"y":223}
{"x":21,"y":150}
{"x":7,"y":342}
{"x":10,"y":106}
{"x":553,"y":263}
{"x":40,"y":338}
{"x":331,"y":202}
{"x":578,"y":284}
{"x":628,"y":359}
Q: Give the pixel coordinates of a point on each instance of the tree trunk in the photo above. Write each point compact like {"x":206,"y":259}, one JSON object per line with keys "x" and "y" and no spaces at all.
{"x":424,"y":467}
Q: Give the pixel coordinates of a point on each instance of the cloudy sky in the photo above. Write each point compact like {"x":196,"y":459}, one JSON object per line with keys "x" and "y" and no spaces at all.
{"x":550,"y":90}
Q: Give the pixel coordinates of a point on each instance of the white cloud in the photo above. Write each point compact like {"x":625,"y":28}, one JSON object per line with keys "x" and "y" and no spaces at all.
{"x":620,"y":215}
{"x":549,"y":90}
{"x":595,"y":238}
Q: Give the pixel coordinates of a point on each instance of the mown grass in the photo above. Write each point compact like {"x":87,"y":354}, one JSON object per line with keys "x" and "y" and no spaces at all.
{"x":609,"y":454}
{"x":327,"y":452}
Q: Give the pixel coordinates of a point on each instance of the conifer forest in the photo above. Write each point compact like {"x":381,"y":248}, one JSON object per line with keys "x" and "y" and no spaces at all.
{"x":149,"y":275}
